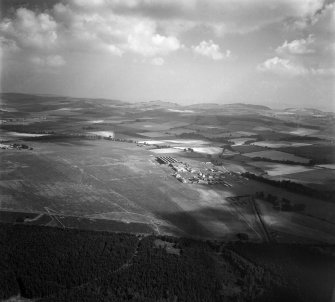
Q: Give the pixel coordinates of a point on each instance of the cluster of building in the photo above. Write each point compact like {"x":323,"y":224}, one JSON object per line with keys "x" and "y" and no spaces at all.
{"x":15,"y":146}
{"x":166,"y":160}
{"x":187,"y":174}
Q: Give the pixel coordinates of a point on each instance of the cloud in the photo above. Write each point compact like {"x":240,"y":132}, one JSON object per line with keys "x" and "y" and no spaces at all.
{"x":157,"y":61}
{"x":30,"y":30}
{"x":322,"y":19}
{"x":286,"y":67}
{"x":281,"y":66}
{"x":228,"y":15}
{"x":211,"y":50}
{"x":144,"y":40}
{"x":297,"y":47}
{"x":66,"y":27}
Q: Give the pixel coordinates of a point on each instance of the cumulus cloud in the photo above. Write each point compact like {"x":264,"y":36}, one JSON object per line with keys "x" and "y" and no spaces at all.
{"x":281,"y":66}
{"x":235,"y":15}
{"x":30,"y":30}
{"x":144,"y":40}
{"x":66,"y":27}
{"x":297,"y":47}
{"x":286,"y":67}
{"x":211,"y":50}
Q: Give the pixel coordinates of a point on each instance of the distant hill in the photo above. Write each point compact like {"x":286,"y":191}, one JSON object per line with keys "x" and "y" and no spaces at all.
{"x":243,"y":106}
{"x":249,"y":106}
{"x":304,"y":111}
{"x":35,"y":101}
{"x":158,"y":104}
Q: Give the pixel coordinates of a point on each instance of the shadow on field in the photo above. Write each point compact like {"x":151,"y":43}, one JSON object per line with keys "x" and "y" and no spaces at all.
{"x":186,"y":223}
{"x":194,"y":223}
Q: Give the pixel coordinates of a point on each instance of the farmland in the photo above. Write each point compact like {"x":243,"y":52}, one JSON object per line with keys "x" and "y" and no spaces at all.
{"x":91,"y":164}
{"x":110,"y":180}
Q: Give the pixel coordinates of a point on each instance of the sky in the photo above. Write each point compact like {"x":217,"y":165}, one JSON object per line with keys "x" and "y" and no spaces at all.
{"x":278,"y":53}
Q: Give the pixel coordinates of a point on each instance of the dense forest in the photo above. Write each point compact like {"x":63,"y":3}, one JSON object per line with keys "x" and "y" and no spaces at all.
{"x":51,"y":264}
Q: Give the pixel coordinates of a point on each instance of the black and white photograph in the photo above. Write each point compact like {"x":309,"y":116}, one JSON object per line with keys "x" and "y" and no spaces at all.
{"x":167,"y":150}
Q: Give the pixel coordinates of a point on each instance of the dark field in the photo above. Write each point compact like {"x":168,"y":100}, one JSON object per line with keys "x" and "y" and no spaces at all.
{"x":320,"y":154}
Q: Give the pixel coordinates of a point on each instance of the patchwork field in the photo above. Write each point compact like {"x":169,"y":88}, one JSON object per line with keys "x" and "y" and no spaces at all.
{"x":67,"y":180}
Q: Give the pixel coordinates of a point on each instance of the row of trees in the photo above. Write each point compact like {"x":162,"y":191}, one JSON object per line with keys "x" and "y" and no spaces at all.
{"x":293,"y":187}
{"x":282,"y":204}
{"x":287,"y":162}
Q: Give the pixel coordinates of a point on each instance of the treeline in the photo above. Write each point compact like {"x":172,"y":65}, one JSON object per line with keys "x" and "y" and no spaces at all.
{"x":203,"y":137}
{"x":225,"y":140}
{"x":23,"y":129}
{"x":318,"y":154}
{"x":302,"y":138}
{"x":60,"y":136}
{"x":287,"y":162}
{"x":293,"y":187}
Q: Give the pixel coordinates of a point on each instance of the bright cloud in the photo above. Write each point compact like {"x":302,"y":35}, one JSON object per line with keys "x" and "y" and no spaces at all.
{"x":281,"y":66}
{"x":286,"y":67}
{"x":30,"y":30}
{"x":297,"y":47}
{"x":144,"y":40}
{"x":65,"y":28}
{"x":211,"y":50}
